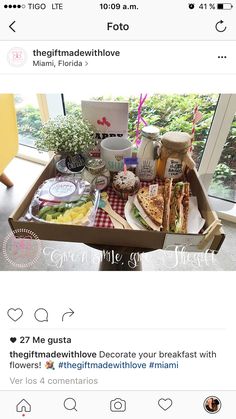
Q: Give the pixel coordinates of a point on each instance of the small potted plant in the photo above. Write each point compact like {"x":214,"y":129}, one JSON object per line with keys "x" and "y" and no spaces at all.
{"x":67,"y":135}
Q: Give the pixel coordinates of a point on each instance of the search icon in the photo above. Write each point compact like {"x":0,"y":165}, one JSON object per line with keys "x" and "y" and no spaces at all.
{"x":70,"y":404}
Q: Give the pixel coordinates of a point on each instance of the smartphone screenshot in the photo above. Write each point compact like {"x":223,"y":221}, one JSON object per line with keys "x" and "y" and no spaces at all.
{"x":117,"y":209}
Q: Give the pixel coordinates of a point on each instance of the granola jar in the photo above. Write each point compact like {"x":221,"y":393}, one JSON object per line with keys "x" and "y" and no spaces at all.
{"x":96,"y":173}
{"x":174,"y":155}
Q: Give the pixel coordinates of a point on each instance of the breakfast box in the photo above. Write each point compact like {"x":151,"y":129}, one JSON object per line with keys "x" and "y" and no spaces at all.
{"x":210,"y":239}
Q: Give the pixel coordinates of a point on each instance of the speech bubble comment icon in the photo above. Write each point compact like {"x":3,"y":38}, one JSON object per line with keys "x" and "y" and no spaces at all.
{"x":41,"y":315}
{"x":70,"y":404}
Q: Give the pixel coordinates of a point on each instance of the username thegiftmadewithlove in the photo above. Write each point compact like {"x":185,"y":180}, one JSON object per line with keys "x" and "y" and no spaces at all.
{"x":112,"y":355}
{"x":45,"y":55}
{"x":76,"y":53}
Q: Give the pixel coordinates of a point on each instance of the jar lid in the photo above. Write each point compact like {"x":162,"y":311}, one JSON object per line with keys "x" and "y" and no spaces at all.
{"x":150,"y":131}
{"x":176,"y":140}
{"x":95,"y":165}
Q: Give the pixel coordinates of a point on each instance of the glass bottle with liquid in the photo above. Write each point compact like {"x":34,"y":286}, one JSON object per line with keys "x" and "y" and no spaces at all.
{"x":174,"y":155}
{"x":146,"y":168}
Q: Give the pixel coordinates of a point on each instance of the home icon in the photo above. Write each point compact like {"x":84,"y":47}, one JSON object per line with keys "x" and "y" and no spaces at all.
{"x":23,"y":406}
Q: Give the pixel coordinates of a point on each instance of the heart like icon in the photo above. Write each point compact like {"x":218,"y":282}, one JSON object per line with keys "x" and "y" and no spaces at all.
{"x":165,"y":404}
{"x":15,"y":314}
{"x":13,"y":340}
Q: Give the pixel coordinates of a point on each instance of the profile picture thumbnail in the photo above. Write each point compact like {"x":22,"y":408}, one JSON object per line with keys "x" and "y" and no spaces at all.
{"x":212,"y":404}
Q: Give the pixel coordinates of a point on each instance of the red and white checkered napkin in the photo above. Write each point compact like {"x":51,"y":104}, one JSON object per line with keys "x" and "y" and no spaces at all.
{"x":102,"y":219}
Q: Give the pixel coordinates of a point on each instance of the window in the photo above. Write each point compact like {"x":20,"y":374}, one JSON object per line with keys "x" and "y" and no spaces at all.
{"x":217,"y":166}
{"x":28,"y":119}
{"x":223,"y":184}
{"x":31,"y":112}
{"x":169,"y":112}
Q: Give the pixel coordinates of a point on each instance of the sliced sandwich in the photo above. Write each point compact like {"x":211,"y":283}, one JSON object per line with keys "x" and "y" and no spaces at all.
{"x":186,"y":206}
{"x":167,"y":201}
{"x":179,"y":208}
{"x":149,"y":210}
{"x":139,"y":215}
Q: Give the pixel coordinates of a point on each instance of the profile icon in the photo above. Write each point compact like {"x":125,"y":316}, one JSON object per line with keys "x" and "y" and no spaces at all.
{"x":17,"y":57}
{"x":212,"y":404}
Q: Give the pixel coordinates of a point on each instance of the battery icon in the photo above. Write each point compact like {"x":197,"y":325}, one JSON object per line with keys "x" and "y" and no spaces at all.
{"x":224,"y":6}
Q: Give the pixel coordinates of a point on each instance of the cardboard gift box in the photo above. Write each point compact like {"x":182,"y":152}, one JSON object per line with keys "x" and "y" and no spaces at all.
{"x":211,"y":239}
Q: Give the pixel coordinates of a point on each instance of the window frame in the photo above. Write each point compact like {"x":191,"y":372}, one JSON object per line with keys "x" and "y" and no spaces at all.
{"x":218,"y":134}
{"x":52,"y":105}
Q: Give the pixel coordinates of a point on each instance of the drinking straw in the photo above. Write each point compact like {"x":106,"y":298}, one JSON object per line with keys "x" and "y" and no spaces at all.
{"x":197,"y":116}
{"x":140,"y":118}
{"x":125,"y":168}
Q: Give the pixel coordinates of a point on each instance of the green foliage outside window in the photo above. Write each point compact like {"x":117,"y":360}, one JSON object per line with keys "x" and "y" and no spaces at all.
{"x":29,"y":121}
{"x":169,"y":113}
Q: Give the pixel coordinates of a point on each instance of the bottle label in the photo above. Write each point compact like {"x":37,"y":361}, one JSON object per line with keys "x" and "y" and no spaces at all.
{"x":147,"y":170}
{"x":62,"y":189}
{"x":100,"y":182}
{"x":174,"y":168}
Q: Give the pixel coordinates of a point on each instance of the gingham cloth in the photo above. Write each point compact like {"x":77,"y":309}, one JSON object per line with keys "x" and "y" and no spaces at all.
{"x":102,"y":219}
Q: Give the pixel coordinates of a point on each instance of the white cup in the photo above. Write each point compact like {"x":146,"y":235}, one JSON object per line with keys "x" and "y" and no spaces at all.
{"x":113,"y":151}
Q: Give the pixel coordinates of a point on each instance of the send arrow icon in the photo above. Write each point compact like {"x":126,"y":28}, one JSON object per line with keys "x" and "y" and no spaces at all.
{"x":11,"y":26}
{"x":68,"y":313}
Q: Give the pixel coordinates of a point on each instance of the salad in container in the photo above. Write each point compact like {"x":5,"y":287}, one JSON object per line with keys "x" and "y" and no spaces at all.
{"x":63,"y":200}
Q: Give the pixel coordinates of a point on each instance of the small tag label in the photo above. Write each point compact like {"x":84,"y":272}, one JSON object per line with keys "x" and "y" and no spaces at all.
{"x":62,"y":189}
{"x":100,"y":182}
{"x":174,"y":168}
{"x":131,"y":161}
{"x":153,"y":190}
{"x":146,"y":170}
{"x":184,"y":242}
{"x":75,"y":163}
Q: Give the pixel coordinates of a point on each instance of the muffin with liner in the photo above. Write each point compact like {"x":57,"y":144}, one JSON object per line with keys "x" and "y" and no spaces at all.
{"x":125,"y":183}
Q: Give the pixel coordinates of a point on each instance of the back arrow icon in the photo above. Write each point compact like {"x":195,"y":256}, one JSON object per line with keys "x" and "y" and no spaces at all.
{"x":10,"y":26}
{"x":68,"y":313}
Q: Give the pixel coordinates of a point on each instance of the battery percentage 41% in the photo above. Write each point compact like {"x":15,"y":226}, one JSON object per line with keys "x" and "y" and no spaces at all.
{"x":212,"y":6}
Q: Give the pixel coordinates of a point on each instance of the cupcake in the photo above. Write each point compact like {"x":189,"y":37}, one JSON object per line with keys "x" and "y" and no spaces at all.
{"x":125,"y":184}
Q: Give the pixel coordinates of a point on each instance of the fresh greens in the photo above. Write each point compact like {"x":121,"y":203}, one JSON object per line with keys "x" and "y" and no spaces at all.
{"x":176,"y":226}
{"x":178,"y":187}
{"x":139,"y":218}
{"x":56,"y":210}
